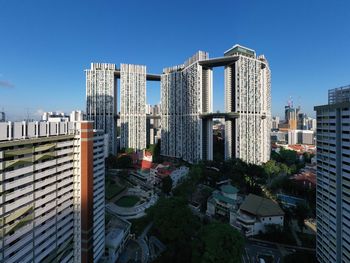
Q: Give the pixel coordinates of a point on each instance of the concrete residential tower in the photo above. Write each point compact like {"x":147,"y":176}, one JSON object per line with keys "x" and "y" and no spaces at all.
{"x":133,"y":106}
{"x":333,"y":177}
{"x":101,"y":100}
{"x":186,"y":93}
{"x":187,"y":110}
{"x":248,"y":93}
{"x":52,"y":192}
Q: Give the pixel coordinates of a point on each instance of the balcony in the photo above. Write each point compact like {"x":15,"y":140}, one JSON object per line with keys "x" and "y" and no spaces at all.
{"x":45,"y":182}
{"x":45,"y":191}
{"x":21,"y":191}
{"x":18,"y":202}
{"x":246,"y":220}
{"x":64,"y":159}
{"x":64,"y":167}
{"x":45,"y":200}
{"x":18,"y":182}
{"x":19,"y":254}
{"x":43,"y":165}
{"x":65,"y":182}
{"x":64,"y":144}
{"x":18,"y":172}
{"x":64,"y":151}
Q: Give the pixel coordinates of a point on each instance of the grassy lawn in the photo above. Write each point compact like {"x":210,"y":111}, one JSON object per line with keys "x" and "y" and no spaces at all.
{"x":307,"y":239}
{"x":127,"y":201}
{"x":112,"y":190}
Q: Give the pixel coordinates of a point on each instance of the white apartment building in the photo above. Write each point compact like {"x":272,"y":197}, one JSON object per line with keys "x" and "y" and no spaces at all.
{"x":248,"y":93}
{"x":101,"y":100}
{"x":133,"y":106}
{"x":186,"y":93}
{"x":52,"y":191}
{"x":333,"y":177}
{"x":187,"y":110}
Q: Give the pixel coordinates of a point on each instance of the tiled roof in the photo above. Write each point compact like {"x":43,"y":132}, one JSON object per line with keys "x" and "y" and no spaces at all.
{"x":260,"y":206}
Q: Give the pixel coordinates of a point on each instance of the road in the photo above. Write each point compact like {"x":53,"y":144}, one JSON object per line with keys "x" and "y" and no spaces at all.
{"x":253,"y":248}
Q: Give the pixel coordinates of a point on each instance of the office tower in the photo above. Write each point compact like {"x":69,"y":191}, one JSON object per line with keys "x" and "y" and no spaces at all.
{"x":133,"y":106}
{"x":275,"y":122}
{"x":248,"y":93}
{"x":186,"y":93}
{"x":52,"y":190}
{"x":101,"y":100}
{"x":2,"y":116}
{"x":333,"y":177}
{"x":301,"y":121}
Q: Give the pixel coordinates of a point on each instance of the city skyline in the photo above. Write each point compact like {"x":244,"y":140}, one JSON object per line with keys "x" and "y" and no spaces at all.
{"x":49,"y":55}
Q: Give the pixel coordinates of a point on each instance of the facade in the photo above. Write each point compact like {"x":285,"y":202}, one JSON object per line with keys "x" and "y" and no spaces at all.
{"x":301,"y":137}
{"x":55,"y":117}
{"x":133,"y":106}
{"x":223,"y":202}
{"x":186,"y":93}
{"x":248,"y":93}
{"x":333,"y":173}
{"x":256,"y":213}
{"x":49,"y":192}
{"x":275,"y":122}
{"x":101,"y":100}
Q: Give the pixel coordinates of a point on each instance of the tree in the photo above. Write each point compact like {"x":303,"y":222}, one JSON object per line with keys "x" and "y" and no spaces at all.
{"x":301,"y":212}
{"x":218,"y":242}
{"x":167,"y":184}
{"x":111,"y":161}
{"x":123,"y":162}
{"x":173,"y":219}
{"x":129,"y":150}
{"x":271,"y":169}
{"x":289,"y":157}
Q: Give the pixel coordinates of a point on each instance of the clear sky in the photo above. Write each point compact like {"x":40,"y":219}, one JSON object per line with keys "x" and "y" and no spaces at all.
{"x":46,"y":45}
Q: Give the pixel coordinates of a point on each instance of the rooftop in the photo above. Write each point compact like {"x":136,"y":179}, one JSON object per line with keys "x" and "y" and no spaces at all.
{"x":229,"y":189}
{"x":260,"y":206}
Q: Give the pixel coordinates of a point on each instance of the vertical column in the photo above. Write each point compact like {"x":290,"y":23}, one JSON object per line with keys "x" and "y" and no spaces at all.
{"x":86,"y":174}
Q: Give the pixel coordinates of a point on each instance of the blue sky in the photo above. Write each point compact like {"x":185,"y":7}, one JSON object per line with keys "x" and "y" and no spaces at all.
{"x":46,"y":45}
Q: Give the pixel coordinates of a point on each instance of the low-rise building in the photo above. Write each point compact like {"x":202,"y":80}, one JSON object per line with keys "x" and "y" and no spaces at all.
{"x":178,"y":175}
{"x":256,"y":213}
{"x":117,"y":235}
{"x":223,"y":202}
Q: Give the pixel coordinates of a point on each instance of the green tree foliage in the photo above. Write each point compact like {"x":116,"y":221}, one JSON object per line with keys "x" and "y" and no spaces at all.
{"x":129,"y":150}
{"x":218,"y":242}
{"x":301,"y":211}
{"x":173,"y":219}
{"x":167,"y":184}
{"x":123,"y":162}
{"x":111,"y":161}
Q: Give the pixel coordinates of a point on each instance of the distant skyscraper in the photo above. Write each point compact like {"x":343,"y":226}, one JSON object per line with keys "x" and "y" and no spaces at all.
{"x":248,"y":92}
{"x":333,"y":177}
{"x":275,"y":122}
{"x":52,"y":192}
{"x":2,"y":116}
{"x":133,"y":106}
{"x":101,"y":100}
